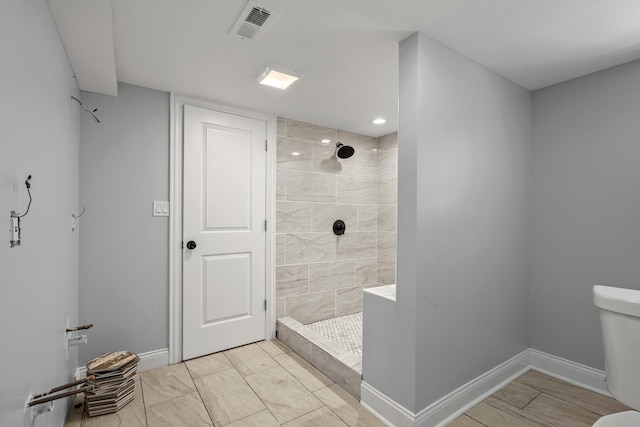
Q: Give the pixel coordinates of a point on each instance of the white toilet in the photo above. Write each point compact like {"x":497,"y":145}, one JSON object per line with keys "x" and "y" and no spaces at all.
{"x":620,"y":319}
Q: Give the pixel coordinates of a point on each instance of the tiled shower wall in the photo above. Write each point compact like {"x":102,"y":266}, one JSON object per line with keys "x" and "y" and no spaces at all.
{"x":387,"y":207}
{"x":320,"y":275}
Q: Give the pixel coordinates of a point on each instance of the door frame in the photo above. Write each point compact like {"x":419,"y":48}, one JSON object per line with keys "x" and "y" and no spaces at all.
{"x":176,"y":143}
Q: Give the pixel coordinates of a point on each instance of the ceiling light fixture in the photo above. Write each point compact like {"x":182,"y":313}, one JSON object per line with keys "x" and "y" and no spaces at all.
{"x":278,"y":76}
{"x":378,"y":121}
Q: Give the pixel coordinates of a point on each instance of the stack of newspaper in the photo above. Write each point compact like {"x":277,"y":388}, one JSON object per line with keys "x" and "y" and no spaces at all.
{"x":113,"y":386}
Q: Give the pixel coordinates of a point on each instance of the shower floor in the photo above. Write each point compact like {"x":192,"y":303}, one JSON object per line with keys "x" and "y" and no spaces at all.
{"x":343,"y":331}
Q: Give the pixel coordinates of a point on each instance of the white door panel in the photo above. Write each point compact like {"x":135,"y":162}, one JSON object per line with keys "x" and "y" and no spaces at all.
{"x":223,"y":213}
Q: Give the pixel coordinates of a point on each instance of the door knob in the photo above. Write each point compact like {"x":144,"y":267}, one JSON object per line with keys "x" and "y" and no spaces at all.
{"x":191,"y":244}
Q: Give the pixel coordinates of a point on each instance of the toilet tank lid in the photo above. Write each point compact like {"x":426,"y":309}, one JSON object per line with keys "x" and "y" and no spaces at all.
{"x":619,"y":300}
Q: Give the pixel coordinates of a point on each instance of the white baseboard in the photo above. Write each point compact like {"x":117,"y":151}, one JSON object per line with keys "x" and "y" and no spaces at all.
{"x":571,"y":372}
{"x":149,"y":360}
{"x":384,"y":408}
{"x":457,"y":402}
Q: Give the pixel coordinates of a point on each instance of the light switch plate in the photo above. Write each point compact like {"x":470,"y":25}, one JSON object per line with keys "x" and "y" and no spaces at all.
{"x":160,"y":208}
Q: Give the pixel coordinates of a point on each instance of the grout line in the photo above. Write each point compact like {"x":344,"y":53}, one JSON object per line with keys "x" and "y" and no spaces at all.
{"x":144,"y":405}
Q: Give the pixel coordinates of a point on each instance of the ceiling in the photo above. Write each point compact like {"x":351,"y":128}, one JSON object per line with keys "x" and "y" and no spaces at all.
{"x":347,"y":49}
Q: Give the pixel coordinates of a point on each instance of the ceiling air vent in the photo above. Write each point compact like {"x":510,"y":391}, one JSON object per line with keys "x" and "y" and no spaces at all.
{"x":253,"y":20}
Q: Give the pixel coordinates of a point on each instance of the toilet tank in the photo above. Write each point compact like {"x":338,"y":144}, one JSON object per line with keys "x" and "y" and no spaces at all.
{"x":620,"y":320}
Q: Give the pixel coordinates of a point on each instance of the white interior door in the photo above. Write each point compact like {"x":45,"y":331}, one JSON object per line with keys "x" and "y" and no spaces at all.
{"x":224,"y":214}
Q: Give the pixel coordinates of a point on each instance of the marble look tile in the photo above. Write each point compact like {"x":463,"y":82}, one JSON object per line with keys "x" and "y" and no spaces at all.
{"x":387,"y":218}
{"x":343,"y":375}
{"x":502,"y":417}
{"x":281,"y":175}
{"x":303,"y":371}
{"x":602,"y":405}
{"x":228,"y":397}
{"x":280,"y":307}
{"x":281,"y":240}
{"x":388,"y":142}
{"x":74,"y":416}
{"x":346,"y":407}
{"x":387,"y":191}
{"x":388,"y":163}
{"x":285,"y":397}
{"x":358,"y":141}
{"x":187,"y":411}
{"x":320,"y":341}
{"x":502,"y":414}
{"x":207,"y":365}
{"x":166,"y":383}
{"x":286,"y":157}
{"x":293,"y":217}
{"x":294,"y":340}
{"x":367,"y":163}
{"x":292,"y":280}
{"x":367,"y":218}
{"x":310,"y":247}
{"x":326,"y":161}
{"x":250,"y":359}
{"x":309,"y":131}
{"x":133,"y":414}
{"x":357,"y":190}
{"x":322,"y":417}
{"x":516,"y":394}
{"x":274,"y":347}
{"x":386,"y":271}
{"x":348,"y":301}
{"x":387,"y":245}
{"x":310,"y":187}
{"x":261,"y":419}
{"x":312,"y":307}
{"x":289,"y":322}
{"x":280,"y":126}
{"x":356,"y":245}
{"x":560,"y":413}
{"x":324,"y":215}
{"x":465,"y":421}
{"x":331,"y":275}
{"x":366,"y":271}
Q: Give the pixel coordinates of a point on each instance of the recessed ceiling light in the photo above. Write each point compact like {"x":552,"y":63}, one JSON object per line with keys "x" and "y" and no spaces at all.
{"x":378,"y":121}
{"x":279,"y":76}
{"x":325,"y":141}
{"x":295,"y":153}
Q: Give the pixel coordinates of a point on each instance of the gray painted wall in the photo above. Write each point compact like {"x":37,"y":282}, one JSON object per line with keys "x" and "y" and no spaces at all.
{"x":586,"y":206}
{"x":39,"y":279}
{"x":389,"y":345}
{"x":474,"y":169}
{"x":464,"y":191}
{"x":124,"y":272}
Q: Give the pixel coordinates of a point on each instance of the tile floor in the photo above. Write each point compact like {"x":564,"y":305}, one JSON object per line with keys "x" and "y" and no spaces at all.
{"x":344,"y":331}
{"x":536,"y":399}
{"x":267,"y":385}
{"x":258,"y":385}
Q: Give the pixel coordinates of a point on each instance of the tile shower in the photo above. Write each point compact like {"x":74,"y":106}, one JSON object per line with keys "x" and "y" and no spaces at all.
{"x":319,"y":275}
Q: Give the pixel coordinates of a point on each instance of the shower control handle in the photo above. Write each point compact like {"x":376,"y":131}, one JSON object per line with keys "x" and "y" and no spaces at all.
{"x":191,"y":244}
{"x":339,"y":227}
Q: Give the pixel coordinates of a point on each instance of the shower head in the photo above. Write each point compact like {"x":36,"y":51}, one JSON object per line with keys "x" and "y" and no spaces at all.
{"x":344,"y":151}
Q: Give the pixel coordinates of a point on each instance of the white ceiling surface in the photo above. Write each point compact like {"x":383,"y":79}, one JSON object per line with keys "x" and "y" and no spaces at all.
{"x":86,"y":27}
{"x":348,"y":50}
